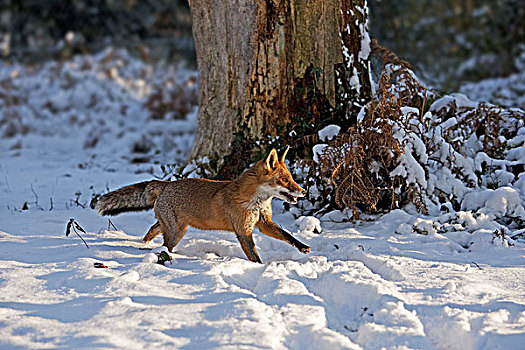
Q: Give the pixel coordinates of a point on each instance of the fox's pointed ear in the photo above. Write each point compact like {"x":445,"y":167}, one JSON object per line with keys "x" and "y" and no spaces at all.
{"x":284,"y":154}
{"x":272,"y":161}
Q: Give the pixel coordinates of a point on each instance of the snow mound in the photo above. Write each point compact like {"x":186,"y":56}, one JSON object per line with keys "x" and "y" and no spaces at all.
{"x":329,"y":132}
{"x":502,"y":202}
{"x":309,"y":224}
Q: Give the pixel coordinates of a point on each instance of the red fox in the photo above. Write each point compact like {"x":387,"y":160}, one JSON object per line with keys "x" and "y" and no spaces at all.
{"x":237,"y":205}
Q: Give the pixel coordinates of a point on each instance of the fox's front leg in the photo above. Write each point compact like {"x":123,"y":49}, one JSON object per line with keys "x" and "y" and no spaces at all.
{"x":270,"y":228}
{"x":248,"y":246}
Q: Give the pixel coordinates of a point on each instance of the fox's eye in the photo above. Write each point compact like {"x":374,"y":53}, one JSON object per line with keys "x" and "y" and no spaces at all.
{"x":285,"y":180}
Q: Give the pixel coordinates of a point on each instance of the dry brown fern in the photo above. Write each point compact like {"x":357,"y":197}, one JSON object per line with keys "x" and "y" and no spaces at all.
{"x":359,"y":161}
{"x":386,"y":55}
{"x":486,"y":121}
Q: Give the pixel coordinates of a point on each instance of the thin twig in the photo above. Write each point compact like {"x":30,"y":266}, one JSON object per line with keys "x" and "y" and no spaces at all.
{"x":111,"y":224}
{"x":479,"y":267}
{"x":78,"y":234}
{"x":36,"y":198}
{"x":34,"y":193}
{"x":72,"y":224}
{"x":521,"y":234}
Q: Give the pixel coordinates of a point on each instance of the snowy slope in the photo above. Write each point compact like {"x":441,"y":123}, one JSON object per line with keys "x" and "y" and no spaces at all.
{"x":400,"y":281}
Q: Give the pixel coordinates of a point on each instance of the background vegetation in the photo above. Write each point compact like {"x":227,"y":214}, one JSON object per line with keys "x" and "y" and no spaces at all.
{"x":448,"y":42}
{"x":452,"y":41}
{"x":35,"y":30}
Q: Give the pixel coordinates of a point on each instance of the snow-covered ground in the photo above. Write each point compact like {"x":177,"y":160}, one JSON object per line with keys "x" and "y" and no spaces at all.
{"x":508,"y":91}
{"x":401,"y":281}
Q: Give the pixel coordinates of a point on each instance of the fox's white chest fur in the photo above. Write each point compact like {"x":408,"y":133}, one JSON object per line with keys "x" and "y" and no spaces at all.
{"x":262,"y":198}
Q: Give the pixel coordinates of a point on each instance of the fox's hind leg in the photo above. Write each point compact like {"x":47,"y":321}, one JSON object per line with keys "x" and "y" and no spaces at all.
{"x":153,"y":232}
{"x":172,"y":233}
{"x":171,"y":227}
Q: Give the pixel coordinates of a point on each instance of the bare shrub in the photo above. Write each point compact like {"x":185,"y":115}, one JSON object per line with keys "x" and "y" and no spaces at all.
{"x":172,"y":101}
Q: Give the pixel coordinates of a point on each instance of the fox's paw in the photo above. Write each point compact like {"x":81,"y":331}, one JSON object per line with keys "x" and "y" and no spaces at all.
{"x":304,"y":250}
{"x":146,"y":240}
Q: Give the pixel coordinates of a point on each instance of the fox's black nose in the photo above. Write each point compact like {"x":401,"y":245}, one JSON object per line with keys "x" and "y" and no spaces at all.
{"x":303,"y":193}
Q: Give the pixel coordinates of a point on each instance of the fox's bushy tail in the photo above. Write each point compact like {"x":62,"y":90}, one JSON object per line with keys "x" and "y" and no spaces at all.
{"x":135,"y":197}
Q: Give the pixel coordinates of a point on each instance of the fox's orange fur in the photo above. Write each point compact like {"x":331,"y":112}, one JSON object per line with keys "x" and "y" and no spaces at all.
{"x":238,"y":205}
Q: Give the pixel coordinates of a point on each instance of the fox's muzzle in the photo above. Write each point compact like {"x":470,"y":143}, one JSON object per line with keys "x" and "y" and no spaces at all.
{"x":291,"y":197}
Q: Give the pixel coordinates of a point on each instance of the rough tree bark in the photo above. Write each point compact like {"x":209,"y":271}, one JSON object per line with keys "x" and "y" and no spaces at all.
{"x":275,"y":67}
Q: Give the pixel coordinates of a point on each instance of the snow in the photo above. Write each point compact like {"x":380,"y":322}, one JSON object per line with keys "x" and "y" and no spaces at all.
{"x":506,"y":91}
{"x":308,"y":224}
{"x":318,"y":150}
{"x":361,"y":114}
{"x":464,"y":101}
{"x":504,"y":201}
{"x":398,"y":281}
{"x":329,"y":132}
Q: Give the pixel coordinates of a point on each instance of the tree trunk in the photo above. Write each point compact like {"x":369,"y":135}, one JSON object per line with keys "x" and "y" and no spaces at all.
{"x":270,"y":68}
